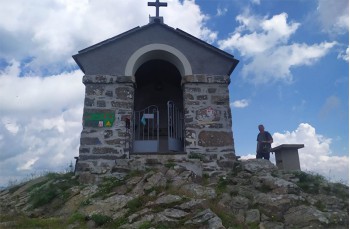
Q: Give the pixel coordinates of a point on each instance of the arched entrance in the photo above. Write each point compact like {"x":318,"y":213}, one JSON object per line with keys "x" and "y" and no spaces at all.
{"x":158,"y":116}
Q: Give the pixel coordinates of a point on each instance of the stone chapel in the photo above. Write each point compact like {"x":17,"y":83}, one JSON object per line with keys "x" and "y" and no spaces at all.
{"x":155,"y":95}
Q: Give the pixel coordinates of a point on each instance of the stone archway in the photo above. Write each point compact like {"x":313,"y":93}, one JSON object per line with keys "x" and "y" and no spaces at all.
{"x":158,"y":51}
{"x":158,"y":85}
{"x":158,"y":70}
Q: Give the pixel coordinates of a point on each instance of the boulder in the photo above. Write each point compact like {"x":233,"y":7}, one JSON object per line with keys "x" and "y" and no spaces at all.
{"x":302,"y":216}
{"x":206,"y":219}
{"x":258,"y":166}
{"x":252,"y":216}
{"x":199,"y":191}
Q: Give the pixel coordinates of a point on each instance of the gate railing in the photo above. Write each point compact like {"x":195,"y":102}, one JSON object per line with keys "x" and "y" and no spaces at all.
{"x":175,"y":127}
{"x":146,"y":129}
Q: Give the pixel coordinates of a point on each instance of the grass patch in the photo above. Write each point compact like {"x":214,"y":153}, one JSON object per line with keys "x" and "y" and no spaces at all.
{"x":309,"y":183}
{"x":237,"y":168}
{"x":340,"y":190}
{"x":145,"y":225}
{"x":156,"y":189}
{"x":264,"y":188}
{"x":227,"y":217}
{"x":134,"y":173}
{"x":76,"y":217}
{"x":170,"y":164}
{"x":253,"y":225}
{"x":85,"y":202}
{"x":135,"y":204}
{"x":14,"y":188}
{"x":196,"y":156}
{"x":24,"y":222}
{"x":57,"y":186}
{"x":161,"y":226}
{"x":118,"y":222}
{"x":107,"y":185}
{"x":100,"y":219}
{"x":43,"y":195}
{"x":221,"y":185}
{"x":320,"y":206}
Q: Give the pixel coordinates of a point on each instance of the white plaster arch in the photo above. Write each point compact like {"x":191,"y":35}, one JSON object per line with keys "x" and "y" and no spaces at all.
{"x":158,"y":51}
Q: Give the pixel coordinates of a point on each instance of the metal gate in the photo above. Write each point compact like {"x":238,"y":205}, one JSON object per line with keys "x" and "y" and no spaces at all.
{"x":175,"y":128}
{"x":146,"y":130}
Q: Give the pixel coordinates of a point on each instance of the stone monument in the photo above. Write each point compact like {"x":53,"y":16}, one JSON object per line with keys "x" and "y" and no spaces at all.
{"x":287,"y":156}
{"x":155,"y":95}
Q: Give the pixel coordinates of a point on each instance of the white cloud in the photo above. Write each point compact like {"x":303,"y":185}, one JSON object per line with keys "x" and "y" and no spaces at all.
{"x":257,"y":2}
{"x":188,"y":17}
{"x":240,"y":103}
{"x":256,"y":35}
{"x":39,"y":94}
{"x":317,"y":155}
{"x":47,"y":33}
{"x":276,"y":64}
{"x":334,"y":16}
{"x":40,"y":122}
{"x":264,"y":43}
{"x":344,"y":55}
{"x":28,"y":165}
{"x":221,"y":11}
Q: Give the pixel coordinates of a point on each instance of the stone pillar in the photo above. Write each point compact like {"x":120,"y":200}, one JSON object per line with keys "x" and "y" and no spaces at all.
{"x":208,"y":121}
{"x":287,"y":156}
{"x":108,"y":105}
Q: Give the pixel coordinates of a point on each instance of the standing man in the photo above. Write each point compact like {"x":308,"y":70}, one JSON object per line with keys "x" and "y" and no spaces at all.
{"x":263,"y":146}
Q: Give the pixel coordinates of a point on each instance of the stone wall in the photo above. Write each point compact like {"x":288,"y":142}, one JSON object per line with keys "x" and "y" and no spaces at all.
{"x":208,"y":120}
{"x":209,"y":142}
{"x":100,"y":146}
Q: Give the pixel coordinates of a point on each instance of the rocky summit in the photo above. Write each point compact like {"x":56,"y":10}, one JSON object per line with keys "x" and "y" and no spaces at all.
{"x":254,"y":194}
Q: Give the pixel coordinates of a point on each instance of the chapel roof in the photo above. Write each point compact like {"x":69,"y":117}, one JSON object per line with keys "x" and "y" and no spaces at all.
{"x":93,"y":54}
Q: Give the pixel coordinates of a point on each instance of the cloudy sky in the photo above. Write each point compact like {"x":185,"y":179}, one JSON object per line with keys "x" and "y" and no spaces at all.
{"x":293,"y":74}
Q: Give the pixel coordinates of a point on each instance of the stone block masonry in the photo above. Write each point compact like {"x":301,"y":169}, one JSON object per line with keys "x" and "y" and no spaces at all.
{"x":106,"y":142}
{"x":208,"y":120}
{"x":109,"y":101}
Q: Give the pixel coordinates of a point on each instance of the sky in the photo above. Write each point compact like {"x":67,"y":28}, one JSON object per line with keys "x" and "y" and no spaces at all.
{"x":293,"y":74}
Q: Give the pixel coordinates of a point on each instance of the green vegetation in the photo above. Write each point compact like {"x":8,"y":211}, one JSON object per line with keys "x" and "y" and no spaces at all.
{"x":117,"y":223}
{"x":76,"y":217}
{"x":237,"y":168}
{"x":100,"y":219}
{"x":341,"y":191}
{"x":221,"y":185}
{"x":145,"y":225}
{"x":57,"y":186}
{"x":320,"y":206}
{"x":170,"y":164}
{"x":227,"y":217}
{"x":264,"y":188}
{"x":54,"y":189}
{"x":135,"y":204}
{"x":196,"y":156}
{"x":309,"y":183}
{"x":316,"y":184}
{"x":85,"y":202}
{"x":134,"y":173}
{"x":107,"y":185}
{"x":24,"y":222}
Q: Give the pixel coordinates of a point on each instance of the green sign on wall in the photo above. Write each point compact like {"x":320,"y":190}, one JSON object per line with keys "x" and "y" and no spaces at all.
{"x":99,"y":119}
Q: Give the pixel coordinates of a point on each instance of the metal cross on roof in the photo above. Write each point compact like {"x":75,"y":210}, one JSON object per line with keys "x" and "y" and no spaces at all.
{"x":157,"y":4}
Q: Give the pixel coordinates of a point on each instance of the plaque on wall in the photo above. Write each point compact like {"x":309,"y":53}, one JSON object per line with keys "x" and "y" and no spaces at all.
{"x":98,"y":119}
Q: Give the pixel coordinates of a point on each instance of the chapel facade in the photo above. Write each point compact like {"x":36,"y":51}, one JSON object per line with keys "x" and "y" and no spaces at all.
{"x":155,"y":95}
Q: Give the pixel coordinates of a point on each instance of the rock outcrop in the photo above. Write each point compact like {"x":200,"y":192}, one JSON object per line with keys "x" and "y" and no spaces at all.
{"x":253,"y":195}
